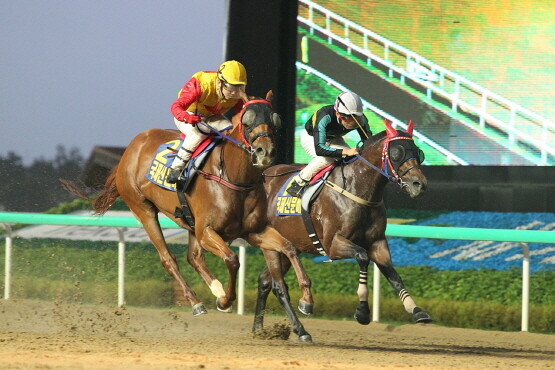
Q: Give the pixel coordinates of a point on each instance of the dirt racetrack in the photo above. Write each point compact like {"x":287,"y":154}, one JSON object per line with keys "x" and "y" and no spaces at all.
{"x":50,"y":335}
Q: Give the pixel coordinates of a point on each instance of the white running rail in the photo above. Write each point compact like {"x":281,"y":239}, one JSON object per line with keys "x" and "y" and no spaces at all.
{"x":451,"y":157}
{"x":519,"y":125}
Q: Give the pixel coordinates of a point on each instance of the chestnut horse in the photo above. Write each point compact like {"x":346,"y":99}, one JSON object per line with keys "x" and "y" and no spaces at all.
{"x":227,"y":202}
{"x":349,"y":217}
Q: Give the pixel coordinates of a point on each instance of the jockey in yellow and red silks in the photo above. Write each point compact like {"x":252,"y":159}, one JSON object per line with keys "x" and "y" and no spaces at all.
{"x":206,"y":94}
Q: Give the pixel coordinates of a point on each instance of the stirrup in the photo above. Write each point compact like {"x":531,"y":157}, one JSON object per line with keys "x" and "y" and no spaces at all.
{"x":295,"y":189}
{"x":174,"y":175}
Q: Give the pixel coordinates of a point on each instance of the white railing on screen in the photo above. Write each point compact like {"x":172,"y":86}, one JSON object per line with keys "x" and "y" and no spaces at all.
{"x":518,"y":123}
{"x":452,"y":157}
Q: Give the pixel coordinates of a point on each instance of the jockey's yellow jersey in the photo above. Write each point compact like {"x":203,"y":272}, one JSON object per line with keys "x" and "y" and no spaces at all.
{"x":199,"y":96}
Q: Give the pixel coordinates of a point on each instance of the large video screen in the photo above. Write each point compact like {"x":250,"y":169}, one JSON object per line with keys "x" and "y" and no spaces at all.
{"x":476,"y":78}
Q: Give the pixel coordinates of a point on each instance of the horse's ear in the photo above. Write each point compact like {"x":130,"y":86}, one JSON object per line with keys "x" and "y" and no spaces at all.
{"x":244,"y":96}
{"x":248,"y":117}
{"x":391,"y":132}
{"x":269,"y":95}
{"x":410,"y":128}
{"x":276,"y":120}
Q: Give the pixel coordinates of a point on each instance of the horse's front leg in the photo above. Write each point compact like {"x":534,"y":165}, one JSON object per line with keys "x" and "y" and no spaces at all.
{"x":210,"y":240}
{"x":270,"y":239}
{"x":379,"y":253}
{"x":264,"y":289}
{"x":342,"y":248}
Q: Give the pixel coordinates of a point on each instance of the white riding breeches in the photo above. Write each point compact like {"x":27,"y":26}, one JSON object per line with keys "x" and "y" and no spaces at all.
{"x":194,"y":135}
{"x":318,"y":162}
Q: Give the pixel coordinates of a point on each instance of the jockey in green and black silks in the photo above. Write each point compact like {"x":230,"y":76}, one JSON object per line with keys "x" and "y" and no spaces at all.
{"x":322,"y":137}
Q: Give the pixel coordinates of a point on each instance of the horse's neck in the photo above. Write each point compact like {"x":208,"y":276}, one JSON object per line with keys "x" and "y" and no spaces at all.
{"x":237,"y":161}
{"x":363,"y":180}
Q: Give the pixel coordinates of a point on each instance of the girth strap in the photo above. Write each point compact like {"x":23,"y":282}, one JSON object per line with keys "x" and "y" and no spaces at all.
{"x":309,"y":195}
{"x":185,"y":211}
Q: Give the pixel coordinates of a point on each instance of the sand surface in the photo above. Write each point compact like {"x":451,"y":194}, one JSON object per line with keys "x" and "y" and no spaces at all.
{"x":50,"y":335}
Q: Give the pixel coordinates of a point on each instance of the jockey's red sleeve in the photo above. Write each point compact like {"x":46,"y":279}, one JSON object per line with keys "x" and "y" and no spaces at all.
{"x":190,"y":93}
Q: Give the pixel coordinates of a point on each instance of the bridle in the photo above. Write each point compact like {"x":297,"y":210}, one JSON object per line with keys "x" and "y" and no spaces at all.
{"x":387,"y":164}
{"x":389,"y":169}
{"x":247,"y":141}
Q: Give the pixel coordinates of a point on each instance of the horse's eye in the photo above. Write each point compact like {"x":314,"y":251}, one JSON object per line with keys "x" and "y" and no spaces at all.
{"x":396,"y":153}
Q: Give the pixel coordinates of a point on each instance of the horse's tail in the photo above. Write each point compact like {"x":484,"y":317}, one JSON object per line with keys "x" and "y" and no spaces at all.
{"x":108,"y":194}
{"x":104,"y":200}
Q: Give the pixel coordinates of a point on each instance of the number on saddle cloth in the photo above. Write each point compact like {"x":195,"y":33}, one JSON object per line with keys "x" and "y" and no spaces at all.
{"x":165,"y":154}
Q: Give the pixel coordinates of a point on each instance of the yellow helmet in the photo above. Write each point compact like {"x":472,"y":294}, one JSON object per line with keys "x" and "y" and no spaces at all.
{"x":233,"y":72}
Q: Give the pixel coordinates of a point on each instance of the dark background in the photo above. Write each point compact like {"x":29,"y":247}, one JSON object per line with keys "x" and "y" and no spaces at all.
{"x":263,"y":35}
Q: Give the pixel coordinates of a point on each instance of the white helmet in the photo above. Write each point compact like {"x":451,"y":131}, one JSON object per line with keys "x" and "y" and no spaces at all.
{"x":348,"y":103}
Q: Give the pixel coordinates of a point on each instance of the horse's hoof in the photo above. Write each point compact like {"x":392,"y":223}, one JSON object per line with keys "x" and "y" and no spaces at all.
{"x":362,"y":319}
{"x":199,"y":309}
{"x":306,"y":338}
{"x":421,"y":316}
{"x":221,"y":309}
{"x":306,"y":308}
{"x":362,"y":313}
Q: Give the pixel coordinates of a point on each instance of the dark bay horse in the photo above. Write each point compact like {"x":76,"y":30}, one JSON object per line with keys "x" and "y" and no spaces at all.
{"x":349,"y":217}
{"x":227,"y":202}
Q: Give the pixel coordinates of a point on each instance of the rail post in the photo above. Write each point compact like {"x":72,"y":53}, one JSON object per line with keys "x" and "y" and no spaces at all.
{"x":121,"y":267}
{"x":525,"y":286}
{"x":8,"y":262}
{"x":241,"y":278}
{"x":376,"y":295}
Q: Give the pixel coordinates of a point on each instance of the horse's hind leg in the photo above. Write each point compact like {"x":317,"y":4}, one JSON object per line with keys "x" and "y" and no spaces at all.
{"x":381,"y":256}
{"x":149,"y":219}
{"x":212,"y":242}
{"x":278,"y":265}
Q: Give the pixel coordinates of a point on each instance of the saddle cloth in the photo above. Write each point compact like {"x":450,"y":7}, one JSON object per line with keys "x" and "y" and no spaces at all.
{"x":164,"y":156}
{"x":288,"y":205}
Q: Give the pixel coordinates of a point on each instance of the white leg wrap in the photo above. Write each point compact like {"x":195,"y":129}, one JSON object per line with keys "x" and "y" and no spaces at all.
{"x":217,"y":289}
{"x":407,"y":300}
{"x":362,"y":290}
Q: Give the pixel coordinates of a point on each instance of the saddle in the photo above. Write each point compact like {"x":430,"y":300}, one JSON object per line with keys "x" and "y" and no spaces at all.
{"x":161,"y":164}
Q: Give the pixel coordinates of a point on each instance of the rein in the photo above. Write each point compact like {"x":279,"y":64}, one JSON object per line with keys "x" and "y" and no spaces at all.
{"x":232,"y":186}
